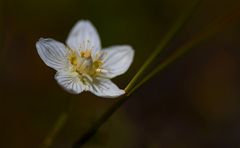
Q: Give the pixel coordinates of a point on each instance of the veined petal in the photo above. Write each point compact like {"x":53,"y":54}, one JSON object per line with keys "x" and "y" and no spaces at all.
{"x":105,"y":88}
{"x":53,"y":53}
{"x":117,"y":61}
{"x":70,"y":82}
{"x":84,"y":36}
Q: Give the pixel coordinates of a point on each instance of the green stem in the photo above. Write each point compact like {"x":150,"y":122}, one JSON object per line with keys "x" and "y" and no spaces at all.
{"x":57,"y":127}
{"x":210,"y":30}
{"x":93,"y":129}
{"x":179,"y":53}
{"x":166,"y":39}
{"x":173,"y":31}
{"x":59,"y":124}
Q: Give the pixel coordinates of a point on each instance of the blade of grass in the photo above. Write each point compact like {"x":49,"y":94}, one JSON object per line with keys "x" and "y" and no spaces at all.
{"x":93,"y":129}
{"x":59,"y":124}
{"x":172,"y":32}
{"x":212,"y":30}
{"x":166,"y":39}
{"x":63,"y":117}
{"x":55,"y":130}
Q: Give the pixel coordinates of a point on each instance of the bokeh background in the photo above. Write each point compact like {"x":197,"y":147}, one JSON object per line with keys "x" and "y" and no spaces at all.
{"x":195,"y":102}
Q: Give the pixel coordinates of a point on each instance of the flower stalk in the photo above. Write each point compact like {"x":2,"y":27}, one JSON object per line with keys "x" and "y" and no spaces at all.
{"x":82,"y":69}
{"x":58,"y":126}
{"x":179,"y":23}
{"x":173,"y":31}
{"x":94,"y":128}
{"x":83,"y":65}
{"x":56,"y":129}
{"x":211,"y":30}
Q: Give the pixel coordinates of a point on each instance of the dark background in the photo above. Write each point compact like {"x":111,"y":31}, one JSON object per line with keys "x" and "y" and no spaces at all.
{"x":193,"y":103}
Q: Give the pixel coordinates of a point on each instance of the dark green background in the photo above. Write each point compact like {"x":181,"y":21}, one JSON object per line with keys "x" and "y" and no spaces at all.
{"x":193,"y":103}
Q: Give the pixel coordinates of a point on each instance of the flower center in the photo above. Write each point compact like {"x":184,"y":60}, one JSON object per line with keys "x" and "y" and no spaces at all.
{"x":85,"y":65}
{"x":85,"y":54}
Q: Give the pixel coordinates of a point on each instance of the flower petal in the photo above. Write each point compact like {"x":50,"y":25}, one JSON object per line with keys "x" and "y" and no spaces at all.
{"x":70,"y":82}
{"x":84,"y":36}
{"x":117,"y":61}
{"x":105,"y":88}
{"x":52,"y":52}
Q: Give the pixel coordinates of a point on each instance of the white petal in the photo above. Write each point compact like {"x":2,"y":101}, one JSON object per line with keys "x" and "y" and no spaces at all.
{"x":117,"y":61}
{"x":52,"y":52}
{"x":105,"y":88}
{"x":70,"y":82}
{"x":84,"y":36}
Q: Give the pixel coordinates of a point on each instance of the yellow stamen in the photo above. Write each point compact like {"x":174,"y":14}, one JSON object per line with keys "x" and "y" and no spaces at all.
{"x":86,"y":54}
{"x":73,"y":58}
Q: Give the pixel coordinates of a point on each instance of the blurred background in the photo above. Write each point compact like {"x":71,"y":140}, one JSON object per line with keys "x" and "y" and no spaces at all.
{"x":193,"y":103}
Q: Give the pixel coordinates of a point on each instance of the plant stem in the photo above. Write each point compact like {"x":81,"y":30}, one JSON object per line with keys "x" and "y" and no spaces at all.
{"x":59,"y":124}
{"x":166,"y":39}
{"x":175,"y":28}
{"x":93,"y":129}
{"x":56,"y":128}
{"x":210,"y":30}
{"x":177,"y":54}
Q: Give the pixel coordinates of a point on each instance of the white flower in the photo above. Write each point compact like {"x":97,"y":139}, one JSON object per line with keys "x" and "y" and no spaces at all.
{"x":82,"y":65}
